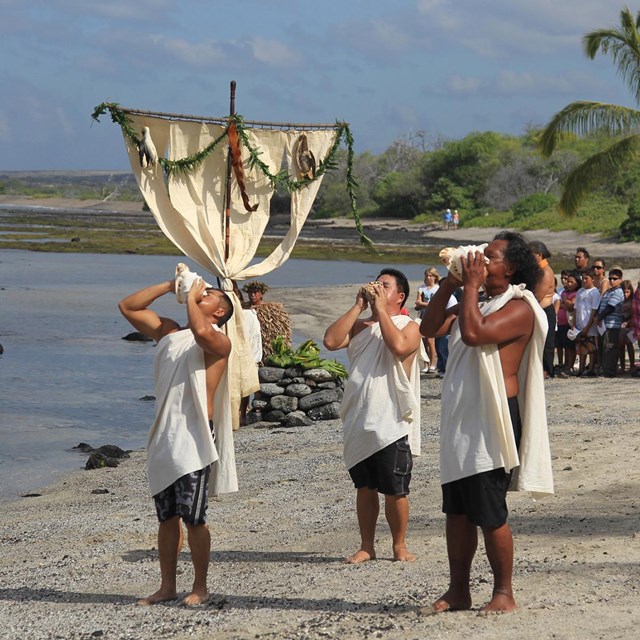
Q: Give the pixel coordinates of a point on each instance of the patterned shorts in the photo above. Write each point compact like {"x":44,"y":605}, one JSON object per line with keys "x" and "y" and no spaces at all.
{"x":187,"y":497}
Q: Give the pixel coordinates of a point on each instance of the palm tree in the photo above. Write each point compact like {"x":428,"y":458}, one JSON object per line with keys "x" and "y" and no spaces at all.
{"x":582,"y":117}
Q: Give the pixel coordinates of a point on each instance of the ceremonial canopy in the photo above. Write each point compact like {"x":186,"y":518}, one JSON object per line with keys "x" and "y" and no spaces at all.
{"x":209,"y":184}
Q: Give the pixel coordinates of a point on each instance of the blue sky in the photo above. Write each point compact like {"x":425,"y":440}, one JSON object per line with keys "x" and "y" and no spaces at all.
{"x":389,"y":67}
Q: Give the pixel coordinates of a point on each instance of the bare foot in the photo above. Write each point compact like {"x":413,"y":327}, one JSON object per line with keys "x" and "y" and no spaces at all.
{"x":402,"y":554}
{"x":161,"y":595}
{"x":359,"y":557}
{"x":501,"y":602}
{"x":196,"y":598}
{"x":447,"y":602}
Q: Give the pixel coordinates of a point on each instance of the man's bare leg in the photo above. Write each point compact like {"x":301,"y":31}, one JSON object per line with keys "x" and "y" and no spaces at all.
{"x":396,"y":509}
{"x":367,"y":508}
{"x":462,"y":542}
{"x":244,"y":407}
{"x":199,"y":540}
{"x":169,"y":545}
{"x":498,"y":543}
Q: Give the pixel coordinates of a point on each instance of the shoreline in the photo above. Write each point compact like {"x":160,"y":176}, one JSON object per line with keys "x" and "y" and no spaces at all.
{"x":75,"y":560}
{"x":387,"y":233}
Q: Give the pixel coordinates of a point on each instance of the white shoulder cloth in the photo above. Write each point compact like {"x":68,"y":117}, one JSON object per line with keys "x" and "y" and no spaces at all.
{"x":476,"y":433}
{"x":180,"y":439}
{"x":381,"y":403}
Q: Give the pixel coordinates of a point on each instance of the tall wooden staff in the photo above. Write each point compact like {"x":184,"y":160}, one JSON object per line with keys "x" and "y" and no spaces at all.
{"x":227,"y":210}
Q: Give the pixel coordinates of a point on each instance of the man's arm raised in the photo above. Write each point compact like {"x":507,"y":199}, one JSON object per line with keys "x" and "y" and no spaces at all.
{"x":338,"y":334}
{"x":401,"y":342}
{"x":135,"y":309}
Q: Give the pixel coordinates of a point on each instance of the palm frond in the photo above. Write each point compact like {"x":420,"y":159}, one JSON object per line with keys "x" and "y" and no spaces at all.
{"x":595,"y":170}
{"x":583,"y":117}
{"x":623,"y":44}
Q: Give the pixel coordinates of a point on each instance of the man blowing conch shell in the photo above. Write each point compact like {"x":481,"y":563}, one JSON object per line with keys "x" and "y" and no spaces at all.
{"x":381,"y":406}
{"x":190,"y":367}
{"x":493,"y":432}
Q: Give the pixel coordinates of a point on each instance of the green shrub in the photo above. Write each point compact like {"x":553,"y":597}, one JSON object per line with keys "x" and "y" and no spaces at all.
{"x":630,"y":228}
{"x":535,"y":203}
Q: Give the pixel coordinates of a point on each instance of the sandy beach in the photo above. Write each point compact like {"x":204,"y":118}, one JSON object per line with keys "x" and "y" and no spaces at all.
{"x":75,"y":559}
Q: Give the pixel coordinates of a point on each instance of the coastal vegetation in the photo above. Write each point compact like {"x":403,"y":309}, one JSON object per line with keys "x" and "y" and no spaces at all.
{"x":578,"y":173}
{"x":619,"y":124}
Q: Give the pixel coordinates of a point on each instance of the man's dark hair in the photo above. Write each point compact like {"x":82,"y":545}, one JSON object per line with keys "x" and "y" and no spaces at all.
{"x":520,"y":256}
{"x":226,"y":304}
{"x":401,"y":281}
{"x":584,"y":251}
{"x":589,"y":271}
{"x":536,"y":246}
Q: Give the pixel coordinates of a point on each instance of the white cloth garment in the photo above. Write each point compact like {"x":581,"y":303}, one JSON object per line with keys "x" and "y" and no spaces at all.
{"x":476,"y":433}
{"x":380,"y":404}
{"x":180,"y":439}
{"x":253,"y":333}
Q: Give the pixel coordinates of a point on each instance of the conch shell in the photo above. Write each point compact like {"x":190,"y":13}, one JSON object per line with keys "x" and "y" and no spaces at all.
{"x":452,"y":257}
{"x":184,"y":281}
{"x":369,"y":291}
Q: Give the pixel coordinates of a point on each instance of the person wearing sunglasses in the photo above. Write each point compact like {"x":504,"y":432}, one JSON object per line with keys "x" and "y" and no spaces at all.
{"x":610,"y":322}
{"x":600,"y":279}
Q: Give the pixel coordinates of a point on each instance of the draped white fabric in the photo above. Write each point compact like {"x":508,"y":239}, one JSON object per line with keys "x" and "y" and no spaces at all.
{"x":189,"y":208}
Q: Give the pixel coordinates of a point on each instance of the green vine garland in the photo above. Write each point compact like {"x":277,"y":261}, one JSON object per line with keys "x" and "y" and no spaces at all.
{"x":119,"y":116}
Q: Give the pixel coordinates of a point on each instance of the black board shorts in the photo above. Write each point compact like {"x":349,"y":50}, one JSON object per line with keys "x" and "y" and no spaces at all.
{"x":483,"y":497}
{"x":387,"y":471}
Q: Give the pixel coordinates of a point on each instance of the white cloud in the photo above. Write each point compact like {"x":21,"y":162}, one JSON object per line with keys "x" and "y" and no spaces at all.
{"x":199,"y":54}
{"x":462,"y":85}
{"x":273,"y":53}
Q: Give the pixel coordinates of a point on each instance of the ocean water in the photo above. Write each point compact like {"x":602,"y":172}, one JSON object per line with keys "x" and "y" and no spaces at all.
{"x":66,"y":376}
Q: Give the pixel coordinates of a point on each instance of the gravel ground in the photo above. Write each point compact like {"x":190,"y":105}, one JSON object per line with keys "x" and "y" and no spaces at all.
{"x":73,"y":562}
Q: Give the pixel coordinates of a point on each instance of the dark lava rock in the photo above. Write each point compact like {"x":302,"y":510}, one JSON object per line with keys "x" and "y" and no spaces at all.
{"x":325,"y":412}
{"x":286,"y":404}
{"x":318,"y":398}
{"x":147,"y":398}
{"x":99,"y":461}
{"x":298,"y":390}
{"x":136,"y":336}
{"x":270,"y":374}
{"x":113,"y":451}
{"x":297,"y":419}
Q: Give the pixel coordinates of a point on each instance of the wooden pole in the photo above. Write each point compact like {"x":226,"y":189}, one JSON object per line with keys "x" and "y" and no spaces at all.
{"x":227,"y":210}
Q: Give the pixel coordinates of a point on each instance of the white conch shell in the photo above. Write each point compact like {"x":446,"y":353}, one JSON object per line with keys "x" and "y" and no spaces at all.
{"x":369,"y":291}
{"x":147,"y":150}
{"x":452,"y":257}
{"x":184,"y":281}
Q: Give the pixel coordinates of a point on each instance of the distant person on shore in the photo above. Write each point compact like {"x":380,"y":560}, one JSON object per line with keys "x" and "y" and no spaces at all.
{"x":581,"y":260}
{"x":635,"y":322}
{"x":626,"y":335}
{"x":381,"y":407}
{"x":566,"y":347}
{"x":253,"y":336}
{"x":448,"y":218}
{"x":587,"y":302}
{"x":493,"y":427}
{"x":456,"y":220}
{"x":426,"y":291}
{"x":610,"y":319}
{"x":273,"y":317}
{"x":600,"y":279}
{"x":544,"y":293}
{"x":189,"y":366}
